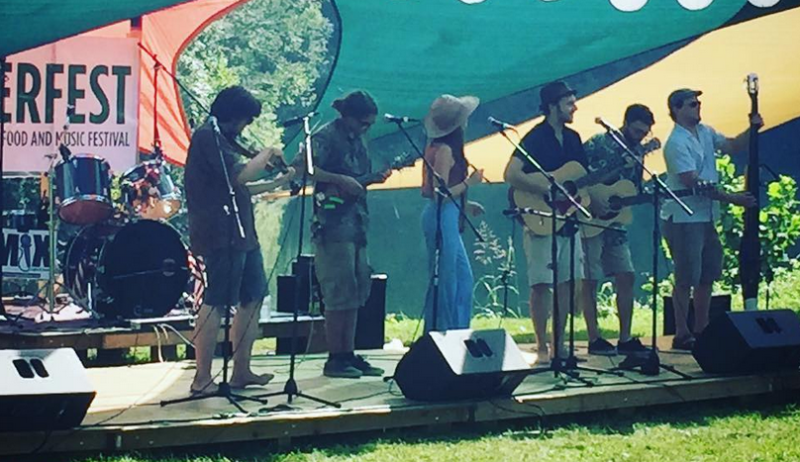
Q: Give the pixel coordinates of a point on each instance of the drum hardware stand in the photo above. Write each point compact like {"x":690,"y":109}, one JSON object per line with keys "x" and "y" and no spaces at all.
{"x":441,"y":190}
{"x":224,"y":388}
{"x":651,"y":364}
{"x":290,"y":389}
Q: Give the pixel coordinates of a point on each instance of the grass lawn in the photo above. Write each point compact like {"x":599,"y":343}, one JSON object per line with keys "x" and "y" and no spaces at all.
{"x":697,"y":432}
{"x":521,"y":329}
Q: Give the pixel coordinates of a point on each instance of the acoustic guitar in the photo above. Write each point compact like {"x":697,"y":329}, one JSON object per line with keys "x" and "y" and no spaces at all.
{"x":576,"y":181}
{"x":621,"y":195}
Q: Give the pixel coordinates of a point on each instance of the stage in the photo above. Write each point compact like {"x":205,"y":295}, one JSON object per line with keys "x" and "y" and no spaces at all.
{"x":126,"y":414}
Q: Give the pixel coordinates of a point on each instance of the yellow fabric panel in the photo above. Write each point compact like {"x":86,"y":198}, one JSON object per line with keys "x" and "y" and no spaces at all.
{"x":717,"y":64}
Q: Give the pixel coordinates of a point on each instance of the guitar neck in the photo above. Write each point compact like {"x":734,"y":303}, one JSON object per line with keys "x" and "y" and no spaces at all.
{"x":370,"y":179}
{"x":648,"y":197}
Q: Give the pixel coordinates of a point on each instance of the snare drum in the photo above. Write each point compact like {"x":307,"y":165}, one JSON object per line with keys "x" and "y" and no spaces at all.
{"x":83,"y":191}
{"x":149,"y":190}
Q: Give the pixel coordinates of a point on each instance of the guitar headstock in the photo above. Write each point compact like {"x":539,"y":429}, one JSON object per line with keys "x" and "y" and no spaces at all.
{"x":402,"y":161}
{"x":651,"y":145}
{"x":703,"y":188}
{"x":752,"y":84}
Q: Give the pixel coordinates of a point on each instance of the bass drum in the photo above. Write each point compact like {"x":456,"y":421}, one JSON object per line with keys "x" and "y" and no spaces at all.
{"x":130,"y":271}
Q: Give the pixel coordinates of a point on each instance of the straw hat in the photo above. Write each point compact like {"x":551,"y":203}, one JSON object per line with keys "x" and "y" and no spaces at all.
{"x":447,"y":113}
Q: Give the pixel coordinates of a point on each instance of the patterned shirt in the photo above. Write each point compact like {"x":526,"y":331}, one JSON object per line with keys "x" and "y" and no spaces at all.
{"x":603,"y":152}
{"x":345,"y":220}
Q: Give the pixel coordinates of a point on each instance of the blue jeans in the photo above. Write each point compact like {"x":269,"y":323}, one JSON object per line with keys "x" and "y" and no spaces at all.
{"x":455,"y":274}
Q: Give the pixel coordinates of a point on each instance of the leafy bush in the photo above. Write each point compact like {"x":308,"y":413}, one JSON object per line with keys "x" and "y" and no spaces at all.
{"x":778,"y":232}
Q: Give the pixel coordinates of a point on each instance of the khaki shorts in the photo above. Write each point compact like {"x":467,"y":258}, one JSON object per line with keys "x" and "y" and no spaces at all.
{"x":343,"y":273}
{"x":538,"y":255}
{"x":696,"y":252}
{"x":601,"y":260}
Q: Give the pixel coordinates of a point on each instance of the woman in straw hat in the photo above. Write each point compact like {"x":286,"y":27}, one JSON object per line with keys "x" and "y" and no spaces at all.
{"x":444,"y":125}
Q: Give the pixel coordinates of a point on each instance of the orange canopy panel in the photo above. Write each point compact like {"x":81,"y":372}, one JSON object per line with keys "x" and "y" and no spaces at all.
{"x":165,"y":34}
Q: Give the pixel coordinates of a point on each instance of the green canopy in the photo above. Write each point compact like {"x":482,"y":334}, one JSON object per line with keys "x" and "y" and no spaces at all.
{"x":27,"y":24}
{"x":405,"y":53}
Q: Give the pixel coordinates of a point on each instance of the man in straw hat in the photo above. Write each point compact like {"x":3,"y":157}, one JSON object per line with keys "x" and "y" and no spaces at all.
{"x":339,"y":230}
{"x":690,"y":154}
{"x":552,"y":144}
{"x":444,"y":125}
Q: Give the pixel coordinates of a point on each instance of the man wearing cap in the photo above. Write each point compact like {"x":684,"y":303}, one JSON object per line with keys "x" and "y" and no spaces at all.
{"x":692,"y":239}
{"x":552,"y":144}
{"x":608,"y":254}
{"x":339,"y":230}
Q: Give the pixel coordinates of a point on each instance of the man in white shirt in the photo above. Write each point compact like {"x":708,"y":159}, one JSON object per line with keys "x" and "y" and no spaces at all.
{"x":690,"y":154}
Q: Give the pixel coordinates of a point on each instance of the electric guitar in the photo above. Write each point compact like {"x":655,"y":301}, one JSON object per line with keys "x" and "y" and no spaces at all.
{"x":621,"y":195}
{"x":576,"y":181}
{"x":331,"y":197}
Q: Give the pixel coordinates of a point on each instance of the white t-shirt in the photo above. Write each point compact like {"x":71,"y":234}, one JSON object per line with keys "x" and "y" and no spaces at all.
{"x":685,"y":152}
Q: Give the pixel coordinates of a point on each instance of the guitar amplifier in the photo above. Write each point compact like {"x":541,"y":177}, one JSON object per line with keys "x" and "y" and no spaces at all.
{"x":370,"y":328}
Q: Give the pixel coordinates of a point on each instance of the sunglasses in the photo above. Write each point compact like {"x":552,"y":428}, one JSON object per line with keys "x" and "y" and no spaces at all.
{"x":694,"y":104}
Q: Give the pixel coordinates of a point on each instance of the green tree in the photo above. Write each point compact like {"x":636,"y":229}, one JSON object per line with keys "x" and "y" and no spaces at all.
{"x":278,"y":49}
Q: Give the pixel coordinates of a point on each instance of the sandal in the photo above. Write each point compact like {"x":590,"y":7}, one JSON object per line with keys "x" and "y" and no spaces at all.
{"x":683,"y":343}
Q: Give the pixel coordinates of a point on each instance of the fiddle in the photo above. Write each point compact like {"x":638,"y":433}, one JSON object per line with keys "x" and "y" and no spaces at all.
{"x":278,"y":163}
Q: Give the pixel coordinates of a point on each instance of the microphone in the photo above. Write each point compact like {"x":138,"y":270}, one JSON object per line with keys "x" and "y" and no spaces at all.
{"x":600,"y":121}
{"x":298,"y":119}
{"x":399,"y":119}
{"x":500,"y":124}
{"x":62,"y":148}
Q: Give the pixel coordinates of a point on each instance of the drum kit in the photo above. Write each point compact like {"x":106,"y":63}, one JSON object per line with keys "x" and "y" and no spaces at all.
{"x":125,"y":261}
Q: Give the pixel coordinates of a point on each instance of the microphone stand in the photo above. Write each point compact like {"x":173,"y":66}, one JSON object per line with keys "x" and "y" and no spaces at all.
{"x":651,"y":364}
{"x":571,"y":361}
{"x":224,"y":388}
{"x":290,"y":389}
{"x":441,"y":192}
{"x":556,"y":365}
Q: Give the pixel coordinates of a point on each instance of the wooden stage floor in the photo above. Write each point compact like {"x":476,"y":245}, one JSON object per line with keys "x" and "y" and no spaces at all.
{"x":126,"y":414}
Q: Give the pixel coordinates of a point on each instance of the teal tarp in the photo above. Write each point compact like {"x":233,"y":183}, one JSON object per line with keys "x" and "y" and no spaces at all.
{"x":26,"y":24}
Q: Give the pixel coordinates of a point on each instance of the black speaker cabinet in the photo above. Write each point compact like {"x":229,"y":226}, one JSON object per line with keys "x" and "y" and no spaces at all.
{"x":746,"y":342}
{"x":370,"y":329}
{"x":461,"y":364}
{"x":303,"y":273}
{"x":42,"y":390}
{"x":719,"y":305}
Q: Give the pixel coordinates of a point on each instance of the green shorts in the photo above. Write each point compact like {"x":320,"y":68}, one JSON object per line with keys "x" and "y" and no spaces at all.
{"x":343,"y":273}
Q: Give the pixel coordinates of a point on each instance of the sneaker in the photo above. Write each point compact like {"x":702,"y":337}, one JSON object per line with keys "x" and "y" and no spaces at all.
{"x":683,"y":343}
{"x":365,"y":368}
{"x":602,"y":347}
{"x":340,"y":369}
{"x":632,"y":347}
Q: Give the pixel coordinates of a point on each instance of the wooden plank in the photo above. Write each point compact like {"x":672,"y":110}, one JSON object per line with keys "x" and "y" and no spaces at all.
{"x":287,"y":425}
{"x":117,"y":338}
